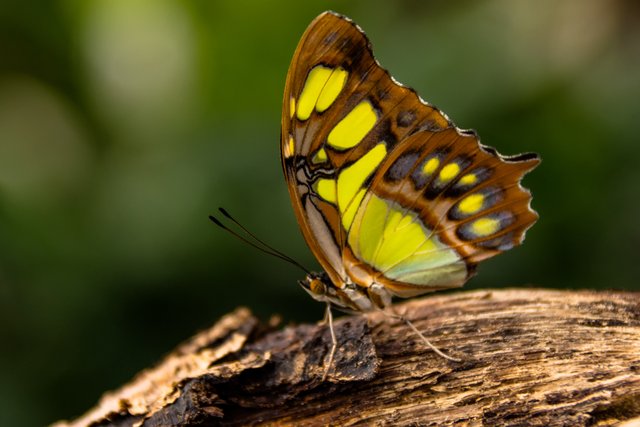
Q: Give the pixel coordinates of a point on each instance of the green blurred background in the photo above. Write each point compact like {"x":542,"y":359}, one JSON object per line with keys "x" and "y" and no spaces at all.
{"x":124,"y":123}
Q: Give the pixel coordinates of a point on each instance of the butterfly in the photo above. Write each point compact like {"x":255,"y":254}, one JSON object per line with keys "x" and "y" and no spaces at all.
{"x":392,"y":198}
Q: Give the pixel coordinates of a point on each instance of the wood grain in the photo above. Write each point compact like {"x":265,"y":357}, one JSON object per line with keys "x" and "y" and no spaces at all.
{"x":530,"y":357}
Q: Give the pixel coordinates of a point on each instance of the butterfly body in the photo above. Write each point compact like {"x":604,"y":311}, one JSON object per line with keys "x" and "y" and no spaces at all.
{"x":392,"y":198}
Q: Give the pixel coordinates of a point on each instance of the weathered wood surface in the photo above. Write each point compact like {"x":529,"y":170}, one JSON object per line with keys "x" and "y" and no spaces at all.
{"x":530,"y":358}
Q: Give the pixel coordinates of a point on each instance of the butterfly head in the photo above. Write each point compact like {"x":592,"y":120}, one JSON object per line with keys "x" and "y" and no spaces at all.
{"x":322,"y":289}
{"x":319,"y":286}
{"x":349,"y":297}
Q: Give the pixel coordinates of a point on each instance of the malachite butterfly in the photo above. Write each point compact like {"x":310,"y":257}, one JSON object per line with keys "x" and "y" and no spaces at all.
{"x":392,"y":198}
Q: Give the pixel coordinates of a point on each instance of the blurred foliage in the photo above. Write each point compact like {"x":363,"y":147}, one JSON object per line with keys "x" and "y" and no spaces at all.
{"x":123,"y":124}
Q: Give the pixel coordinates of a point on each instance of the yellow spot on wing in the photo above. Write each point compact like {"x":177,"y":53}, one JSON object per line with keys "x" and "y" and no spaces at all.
{"x":320,"y":156}
{"x":292,"y":107}
{"x":326,"y":189}
{"x":471,"y":204}
{"x":483,"y":227}
{"x":468,"y":179}
{"x":449,"y":172}
{"x":430,"y":166}
{"x":355,"y":126}
{"x":352,"y":178}
{"x":331,"y":89}
{"x":316,"y":80}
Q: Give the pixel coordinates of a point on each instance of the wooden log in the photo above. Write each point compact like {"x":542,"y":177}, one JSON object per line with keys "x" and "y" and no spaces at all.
{"x":530,"y":357}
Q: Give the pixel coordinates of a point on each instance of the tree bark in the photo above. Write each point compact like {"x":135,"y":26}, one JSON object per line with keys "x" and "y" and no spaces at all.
{"x":529,"y":357}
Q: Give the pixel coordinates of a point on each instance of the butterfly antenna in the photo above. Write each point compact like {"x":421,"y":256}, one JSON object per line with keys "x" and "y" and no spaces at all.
{"x":256,"y":242}
{"x":256,"y":238}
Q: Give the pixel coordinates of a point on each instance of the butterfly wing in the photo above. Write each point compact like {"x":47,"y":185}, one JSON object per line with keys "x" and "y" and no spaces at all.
{"x":354,"y":143}
{"x":330,"y":119}
{"x":437,"y":205}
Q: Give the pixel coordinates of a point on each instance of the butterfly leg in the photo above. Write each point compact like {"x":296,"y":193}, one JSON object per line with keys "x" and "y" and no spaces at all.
{"x":422,"y":337}
{"x":328,"y":316}
{"x":325,"y":318}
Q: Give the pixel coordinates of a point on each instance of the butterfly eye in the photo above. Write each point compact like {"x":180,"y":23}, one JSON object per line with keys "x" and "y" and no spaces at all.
{"x":317,"y":287}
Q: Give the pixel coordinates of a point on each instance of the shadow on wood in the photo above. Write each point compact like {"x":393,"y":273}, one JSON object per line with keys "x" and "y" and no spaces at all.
{"x":530,"y":357}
